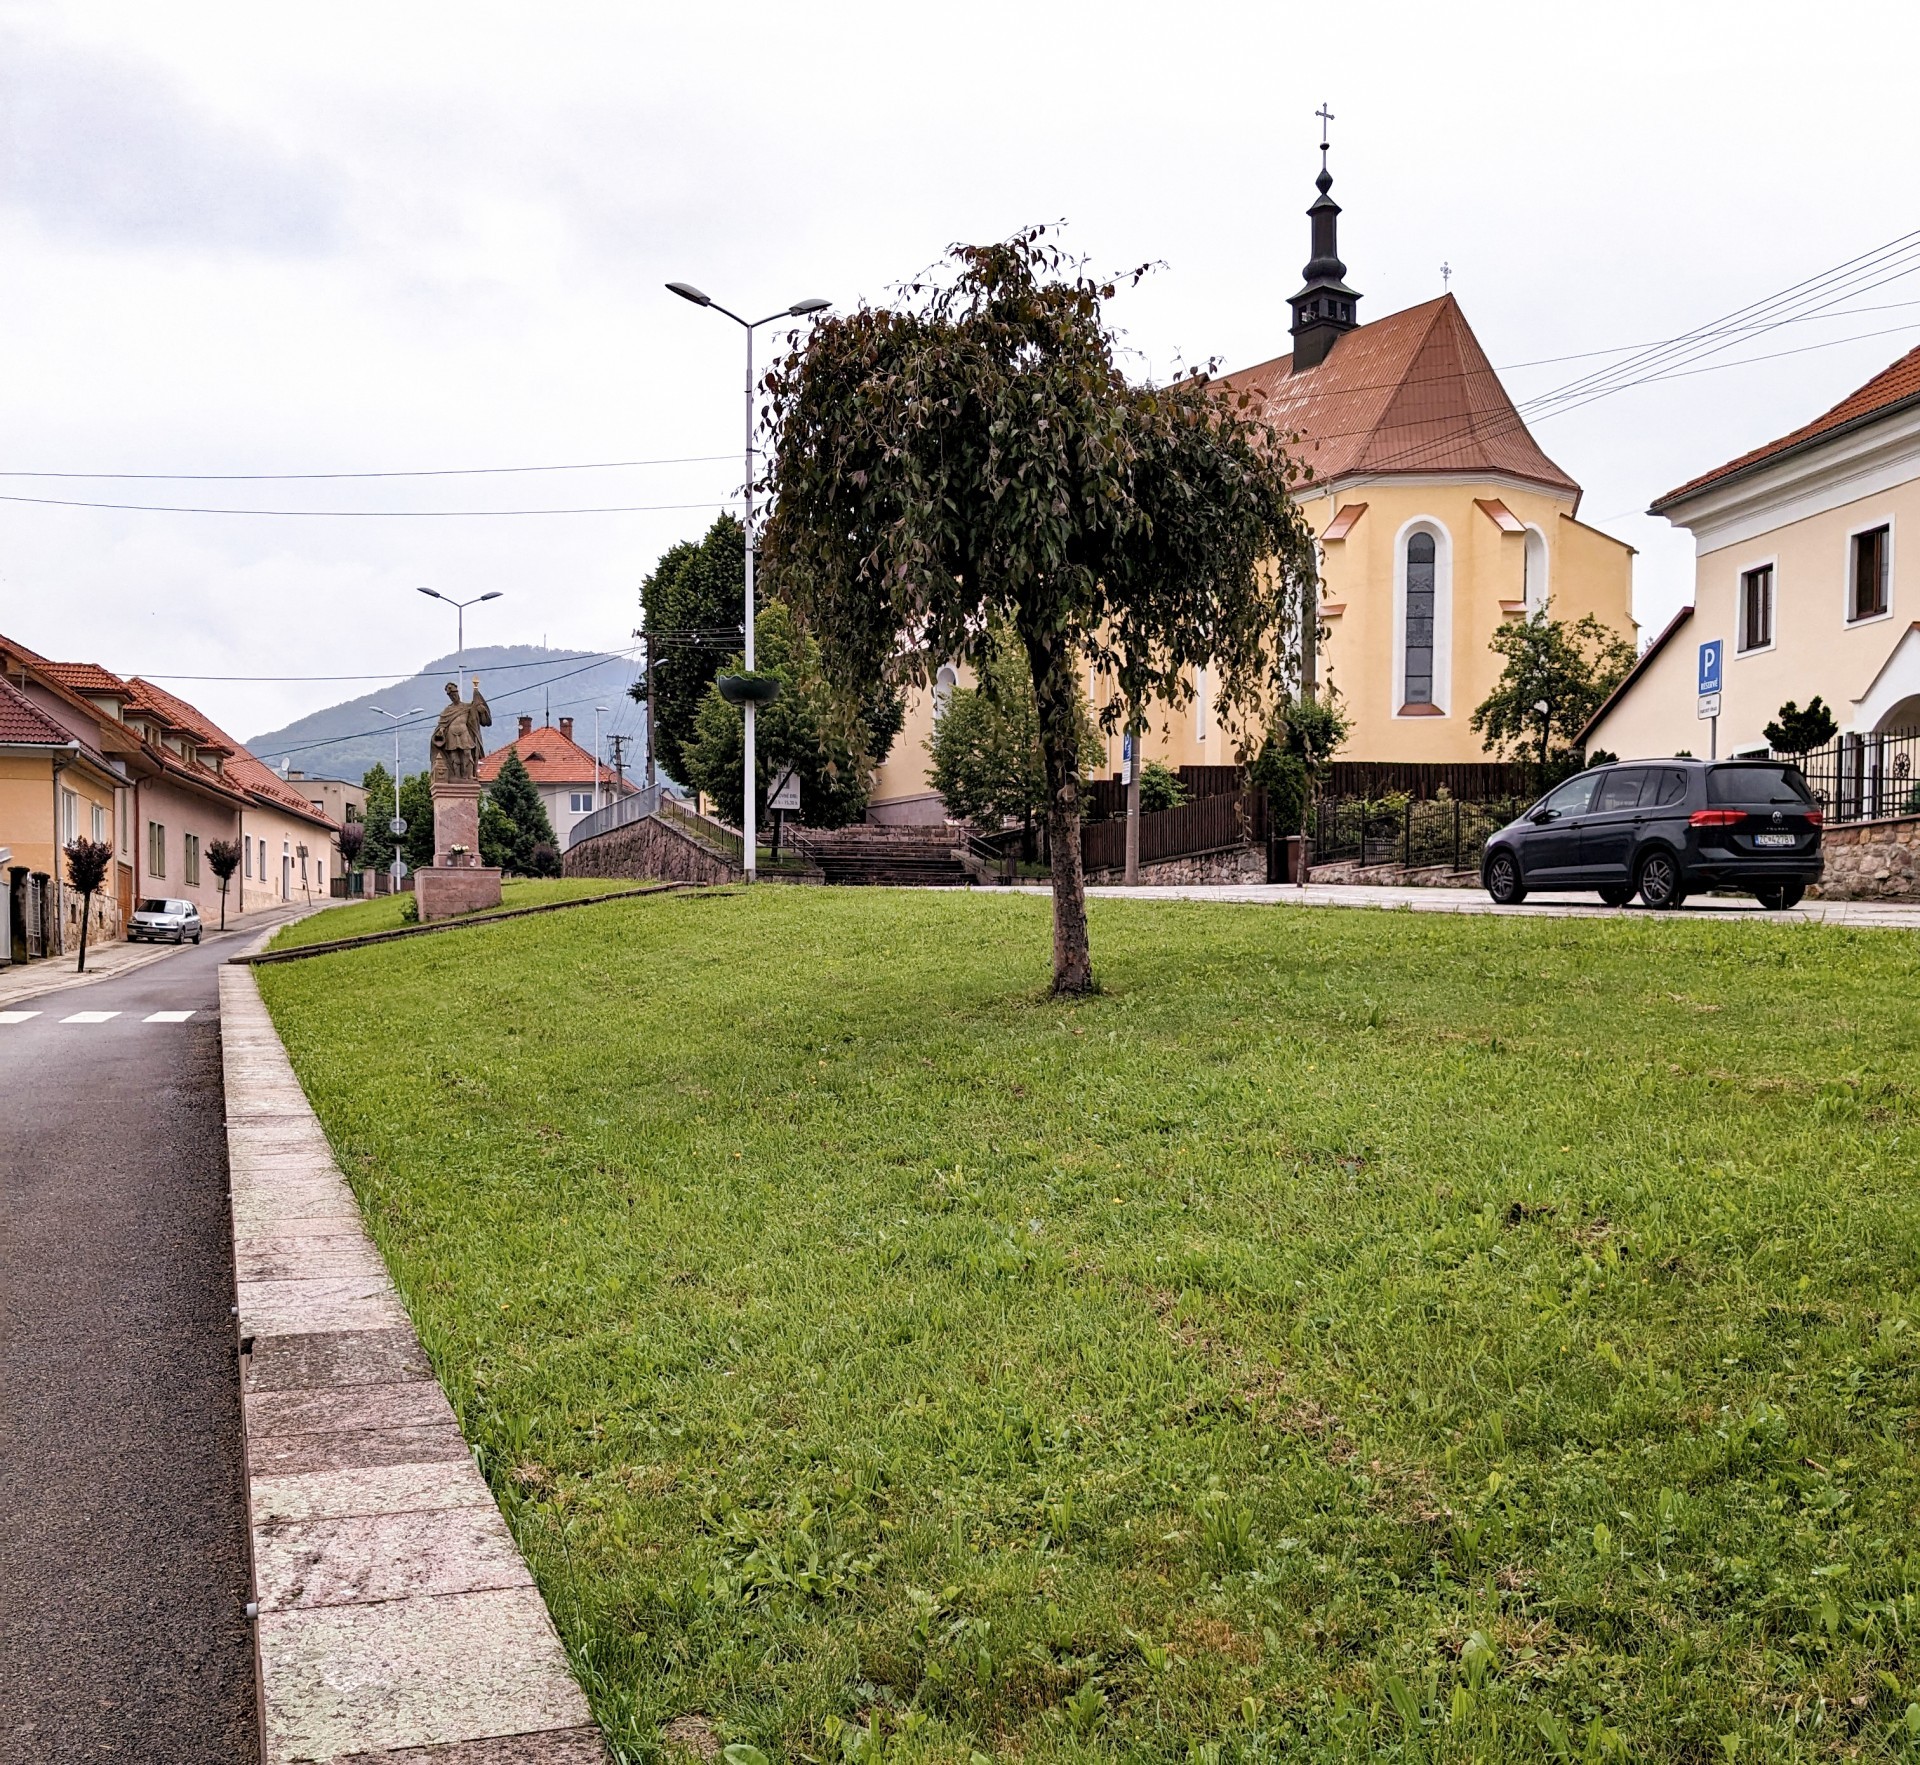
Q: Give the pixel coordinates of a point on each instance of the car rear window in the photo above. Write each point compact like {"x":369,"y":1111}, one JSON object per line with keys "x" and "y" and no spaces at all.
{"x":1757,"y":784}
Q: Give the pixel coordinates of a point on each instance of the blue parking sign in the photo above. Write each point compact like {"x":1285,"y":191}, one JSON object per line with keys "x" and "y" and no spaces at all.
{"x":1710,"y":654}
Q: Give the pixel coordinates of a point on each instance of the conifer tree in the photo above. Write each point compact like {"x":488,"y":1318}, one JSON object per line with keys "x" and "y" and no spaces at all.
{"x":376,"y":852}
{"x":514,"y":797}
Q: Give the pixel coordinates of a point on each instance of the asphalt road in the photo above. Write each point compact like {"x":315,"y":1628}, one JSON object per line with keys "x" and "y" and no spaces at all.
{"x":123,"y":1538}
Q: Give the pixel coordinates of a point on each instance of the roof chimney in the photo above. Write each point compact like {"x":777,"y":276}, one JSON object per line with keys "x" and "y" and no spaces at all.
{"x":526,"y":726}
{"x":566,"y":727}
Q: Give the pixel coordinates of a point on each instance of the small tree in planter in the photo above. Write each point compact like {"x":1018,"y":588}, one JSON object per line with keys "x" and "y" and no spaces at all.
{"x":353,"y":836}
{"x":223,"y":858}
{"x":1800,"y":732}
{"x":87,"y":862}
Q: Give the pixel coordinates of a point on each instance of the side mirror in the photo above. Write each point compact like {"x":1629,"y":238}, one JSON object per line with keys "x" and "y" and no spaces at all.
{"x":1540,"y":817}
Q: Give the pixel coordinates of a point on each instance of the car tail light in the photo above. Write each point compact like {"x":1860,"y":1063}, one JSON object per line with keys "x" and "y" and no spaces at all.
{"x":1718,"y":817}
{"x":1814,"y":818}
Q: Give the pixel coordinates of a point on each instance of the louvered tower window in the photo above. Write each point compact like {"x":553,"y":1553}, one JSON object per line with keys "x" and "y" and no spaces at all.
{"x":1420,"y":573}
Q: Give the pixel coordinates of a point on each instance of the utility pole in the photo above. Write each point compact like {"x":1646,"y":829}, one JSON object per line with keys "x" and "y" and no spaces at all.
{"x":618,"y":743}
{"x":649,"y":658}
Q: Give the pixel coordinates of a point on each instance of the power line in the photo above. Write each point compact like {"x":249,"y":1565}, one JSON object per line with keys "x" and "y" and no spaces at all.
{"x":423,"y":472}
{"x":391,"y":674}
{"x":59,"y":502}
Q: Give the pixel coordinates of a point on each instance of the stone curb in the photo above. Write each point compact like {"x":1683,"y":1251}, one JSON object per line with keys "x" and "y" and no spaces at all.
{"x":396,"y":1620}
{"x":259,"y":955}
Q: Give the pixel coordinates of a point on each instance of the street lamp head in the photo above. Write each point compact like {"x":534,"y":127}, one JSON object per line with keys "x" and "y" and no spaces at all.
{"x":437,"y":595}
{"x":801,"y":308}
{"x":687,"y":291}
{"x":492,"y":595}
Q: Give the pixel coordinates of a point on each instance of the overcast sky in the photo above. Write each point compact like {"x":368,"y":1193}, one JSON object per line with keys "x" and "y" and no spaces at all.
{"x":412,"y":236}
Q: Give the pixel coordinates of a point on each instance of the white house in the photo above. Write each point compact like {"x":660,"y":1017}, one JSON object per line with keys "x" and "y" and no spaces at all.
{"x":570,"y":783}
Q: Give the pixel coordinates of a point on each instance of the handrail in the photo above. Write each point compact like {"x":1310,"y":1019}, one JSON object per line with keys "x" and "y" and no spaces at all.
{"x":721,"y":840}
{"x":622,"y":812}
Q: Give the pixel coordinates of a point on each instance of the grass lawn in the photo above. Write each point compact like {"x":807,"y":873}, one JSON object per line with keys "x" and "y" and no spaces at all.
{"x":1353,"y":1335}
{"x":382,"y":913}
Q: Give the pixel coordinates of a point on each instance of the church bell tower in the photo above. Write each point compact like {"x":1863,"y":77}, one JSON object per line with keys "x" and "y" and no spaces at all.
{"x":1323,"y":310}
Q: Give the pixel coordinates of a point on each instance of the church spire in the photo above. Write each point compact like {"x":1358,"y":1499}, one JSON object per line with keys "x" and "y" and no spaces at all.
{"x":1323,"y":310}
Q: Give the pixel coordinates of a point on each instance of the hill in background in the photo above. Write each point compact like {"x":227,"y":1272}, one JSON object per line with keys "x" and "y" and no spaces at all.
{"x":517,"y":679}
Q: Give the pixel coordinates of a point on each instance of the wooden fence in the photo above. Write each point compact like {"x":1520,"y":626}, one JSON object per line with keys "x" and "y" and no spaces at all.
{"x":1207,"y":824}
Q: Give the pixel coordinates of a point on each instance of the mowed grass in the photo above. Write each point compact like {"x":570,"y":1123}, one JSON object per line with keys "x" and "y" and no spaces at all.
{"x":1353,"y":1335}
{"x":381,"y":913}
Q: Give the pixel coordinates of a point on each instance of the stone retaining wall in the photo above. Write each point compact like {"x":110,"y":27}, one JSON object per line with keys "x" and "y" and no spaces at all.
{"x":1242,"y":864}
{"x":1872,"y":861}
{"x":1427,"y":876}
{"x":649,"y":850}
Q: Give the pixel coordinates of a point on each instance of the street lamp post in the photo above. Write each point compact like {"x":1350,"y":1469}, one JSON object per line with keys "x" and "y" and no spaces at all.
{"x":597,"y":710}
{"x":397,"y":718}
{"x":460,"y":617}
{"x":799,"y":310}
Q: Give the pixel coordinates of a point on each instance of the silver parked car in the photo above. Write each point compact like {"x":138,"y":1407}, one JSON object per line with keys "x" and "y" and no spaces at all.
{"x":170,"y":922}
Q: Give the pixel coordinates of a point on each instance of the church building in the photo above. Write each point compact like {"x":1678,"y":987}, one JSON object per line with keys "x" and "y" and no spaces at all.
{"x":1437,"y":514}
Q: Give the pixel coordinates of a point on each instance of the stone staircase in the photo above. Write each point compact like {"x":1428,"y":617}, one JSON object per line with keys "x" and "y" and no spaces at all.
{"x":884,"y":857}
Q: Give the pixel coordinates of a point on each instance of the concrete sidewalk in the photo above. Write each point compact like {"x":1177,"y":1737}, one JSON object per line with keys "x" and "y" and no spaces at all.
{"x":1879,"y":915}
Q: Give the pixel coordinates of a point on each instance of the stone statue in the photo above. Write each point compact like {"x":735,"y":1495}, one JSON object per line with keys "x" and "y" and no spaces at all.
{"x":456,"y":746}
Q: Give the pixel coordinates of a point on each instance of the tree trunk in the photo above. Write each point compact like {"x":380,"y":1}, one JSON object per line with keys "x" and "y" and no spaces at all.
{"x":223,"y":905}
{"x":86,"y":922}
{"x":1056,"y":688}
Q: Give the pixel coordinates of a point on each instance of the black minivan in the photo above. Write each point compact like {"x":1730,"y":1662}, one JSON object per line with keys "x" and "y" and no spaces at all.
{"x":1664,"y":829}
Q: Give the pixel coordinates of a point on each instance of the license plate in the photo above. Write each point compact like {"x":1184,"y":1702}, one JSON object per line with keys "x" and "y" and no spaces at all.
{"x":1776,"y":839}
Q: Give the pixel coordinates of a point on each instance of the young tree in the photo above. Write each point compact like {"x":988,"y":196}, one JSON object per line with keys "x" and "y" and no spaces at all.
{"x":416,"y":809}
{"x":1556,"y":676}
{"x":690,"y":611}
{"x":976,"y":457}
{"x":987,"y":759}
{"x":87,"y":865}
{"x":1160,"y":788}
{"x":223,"y":859}
{"x":1800,"y":732}
{"x":822,"y":735}
{"x":352,"y":836}
{"x":514,"y":820}
{"x":377,"y":851}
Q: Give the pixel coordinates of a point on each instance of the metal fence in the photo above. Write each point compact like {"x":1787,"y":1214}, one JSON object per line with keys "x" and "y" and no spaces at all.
{"x":1444,"y":832}
{"x":622,"y":812}
{"x":1864,"y":777}
{"x":721,"y":840}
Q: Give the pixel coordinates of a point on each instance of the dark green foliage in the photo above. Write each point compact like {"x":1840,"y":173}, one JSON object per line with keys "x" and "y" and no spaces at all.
{"x":416,"y":807}
{"x":1571,"y":668}
{"x":87,"y":864}
{"x":1602,"y":757}
{"x":820,"y":733}
{"x":985,"y":748}
{"x":376,"y":851}
{"x":1800,"y":732}
{"x":544,"y":860}
{"x":690,"y":608}
{"x":1305,"y":734}
{"x":975,"y":458}
{"x":351,"y":838}
{"x":223,"y":859}
{"x":1160,"y":788}
{"x":513,"y":820}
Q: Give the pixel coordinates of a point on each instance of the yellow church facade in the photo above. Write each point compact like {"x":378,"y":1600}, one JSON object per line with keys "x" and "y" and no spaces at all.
{"x":1437,"y":517}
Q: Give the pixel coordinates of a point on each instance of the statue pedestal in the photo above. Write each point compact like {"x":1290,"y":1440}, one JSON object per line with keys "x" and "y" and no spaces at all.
{"x":456,"y":881}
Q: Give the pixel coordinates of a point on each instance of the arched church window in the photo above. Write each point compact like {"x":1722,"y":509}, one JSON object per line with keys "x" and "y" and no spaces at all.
{"x":945,"y":679}
{"x":1534,"y":567}
{"x":1421,"y":572}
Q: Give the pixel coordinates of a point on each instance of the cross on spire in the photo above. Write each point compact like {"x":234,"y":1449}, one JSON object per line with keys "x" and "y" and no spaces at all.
{"x":1446,"y":275}
{"x":1325,"y":116}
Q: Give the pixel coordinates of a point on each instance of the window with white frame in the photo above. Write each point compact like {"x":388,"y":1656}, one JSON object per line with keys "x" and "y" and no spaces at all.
{"x":1422,"y":579}
{"x":580,"y":802}
{"x":156,"y":848}
{"x":246,"y":850}
{"x":69,"y":816}
{"x":1533,"y":567}
{"x":99,"y":824}
{"x":1756,"y":608}
{"x":1869,"y":592}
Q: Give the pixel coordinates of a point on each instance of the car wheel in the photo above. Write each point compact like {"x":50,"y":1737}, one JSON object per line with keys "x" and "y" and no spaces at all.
{"x":1617,"y":894}
{"x":1659,"y":881}
{"x":1503,"y":880}
{"x":180,"y":937}
{"x":1778,"y":897}
{"x":196,"y":937}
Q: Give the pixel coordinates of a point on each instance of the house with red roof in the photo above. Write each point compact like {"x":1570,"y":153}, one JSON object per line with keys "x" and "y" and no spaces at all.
{"x":1801,"y":574}
{"x":572,"y":784}
{"x":1438,"y":515}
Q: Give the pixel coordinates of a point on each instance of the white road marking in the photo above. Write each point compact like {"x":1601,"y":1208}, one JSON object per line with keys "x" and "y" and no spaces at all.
{"x":90,"y":1017}
{"x":168,"y":1017}
{"x":17,"y":1016}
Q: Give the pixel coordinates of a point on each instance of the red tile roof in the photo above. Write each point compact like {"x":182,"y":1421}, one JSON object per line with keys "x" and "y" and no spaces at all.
{"x":21,"y":720}
{"x":240,"y":768}
{"x":1410,"y":393}
{"x":1893,"y":388}
{"x":84,"y":677}
{"x":550,"y":758}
